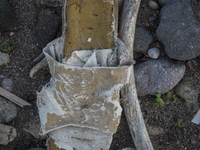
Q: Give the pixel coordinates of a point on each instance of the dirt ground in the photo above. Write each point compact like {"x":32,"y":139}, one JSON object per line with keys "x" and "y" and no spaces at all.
{"x":24,"y":49}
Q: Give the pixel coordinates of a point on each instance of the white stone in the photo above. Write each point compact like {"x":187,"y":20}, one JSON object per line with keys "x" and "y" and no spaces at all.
{"x":154,"y":130}
{"x":12,"y":33}
{"x":153,"y":5}
{"x":154,"y":53}
{"x":89,"y":40}
{"x":4,"y":58}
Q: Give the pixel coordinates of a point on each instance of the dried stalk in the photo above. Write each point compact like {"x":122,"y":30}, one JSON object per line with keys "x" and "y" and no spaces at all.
{"x":38,"y":66}
{"x":129,"y":95}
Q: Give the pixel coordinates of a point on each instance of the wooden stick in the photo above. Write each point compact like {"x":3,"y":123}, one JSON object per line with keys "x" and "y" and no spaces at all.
{"x":7,"y":134}
{"x":129,"y":95}
{"x":38,"y":66}
{"x":38,"y":58}
{"x":13,"y":98}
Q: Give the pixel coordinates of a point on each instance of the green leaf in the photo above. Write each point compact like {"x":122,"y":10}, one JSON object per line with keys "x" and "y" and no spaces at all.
{"x":156,"y":104}
{"x":178,"y":123}
{"x":6,"y":47}
{"x":160,"y":101}
{"x":176,"y":99}
{"x":168,"y":95}
{"x":158,"y":95}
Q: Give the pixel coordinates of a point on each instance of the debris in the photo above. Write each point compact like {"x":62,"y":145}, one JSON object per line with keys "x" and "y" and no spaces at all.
{"x":37,"y":67}
{"x":37,"y":59}
{"x":7,"y":134}
{"x":33,"y":127}
{"x":155,"y":130}
{"x":13,"y":98}
{"x":4,"y":58}
{"x":128,"y":93}
{"x":196,"y":118}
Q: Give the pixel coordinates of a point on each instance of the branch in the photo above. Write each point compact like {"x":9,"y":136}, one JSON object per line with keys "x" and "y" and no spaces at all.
{"x":129,"y":95}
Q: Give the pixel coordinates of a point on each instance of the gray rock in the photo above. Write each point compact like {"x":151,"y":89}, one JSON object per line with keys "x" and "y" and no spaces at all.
{"x":47,"y":27}
{"x":7,"y":84}
{"x":160,"y":75}
{"x":128,"y":148}
{"x":4,"y":58}
{"x":7,"y":19}
{"x":163,"y":2}
{"x":2,"y":76}
{"x":179,"y":30}
{"x":60,"y":1}
{"x":154,"y":130}
{"x":153,"y":5}
{"x":8,"y":110}
{"x":142,"y":40}
{"x":188,"y":89}
{"x":36,"y":149}
{"x":120,"y":4}
{"x":154,"y":53}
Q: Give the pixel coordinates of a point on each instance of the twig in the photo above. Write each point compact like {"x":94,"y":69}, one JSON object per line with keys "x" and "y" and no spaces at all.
{"x":37,"y":59}
{"x":131,"y":104}
{"x":13,"y":98}
{"x":38,"y":66}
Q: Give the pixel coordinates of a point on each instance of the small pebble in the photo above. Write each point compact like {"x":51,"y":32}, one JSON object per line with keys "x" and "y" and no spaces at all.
{"x":89,"y":40}
{"x":12,"y":33}
{"x":153,"y":5}
{"x":154,"y":53}
{"x":2,"y":76}
{"x":4,"y":58}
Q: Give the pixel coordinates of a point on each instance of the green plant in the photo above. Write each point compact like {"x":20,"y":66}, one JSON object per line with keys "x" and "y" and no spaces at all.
{"x":167,"y":96}
{"x":175,"y":100}
{"x":178,"y":123}
{"x":6,"y":47}
{"x":145,"y":103}
{"x":158,"y":101}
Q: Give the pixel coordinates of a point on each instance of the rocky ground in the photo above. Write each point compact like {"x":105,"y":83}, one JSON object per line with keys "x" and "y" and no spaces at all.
{"x":167,"y":70}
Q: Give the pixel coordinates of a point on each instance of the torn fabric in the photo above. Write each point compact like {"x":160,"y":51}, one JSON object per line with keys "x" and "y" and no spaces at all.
{"x":81,"y":94}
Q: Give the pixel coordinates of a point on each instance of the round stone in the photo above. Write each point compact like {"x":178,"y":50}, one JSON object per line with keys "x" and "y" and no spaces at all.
{"x":154,"y":53}
{"x":7,"y":84}
{"x":153,"y":5}
{"x":8,"y":110}
{"x":4,"y":58}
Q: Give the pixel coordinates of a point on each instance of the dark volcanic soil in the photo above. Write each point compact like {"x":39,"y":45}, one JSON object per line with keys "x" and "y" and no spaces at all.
{"x":25,"y":49}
